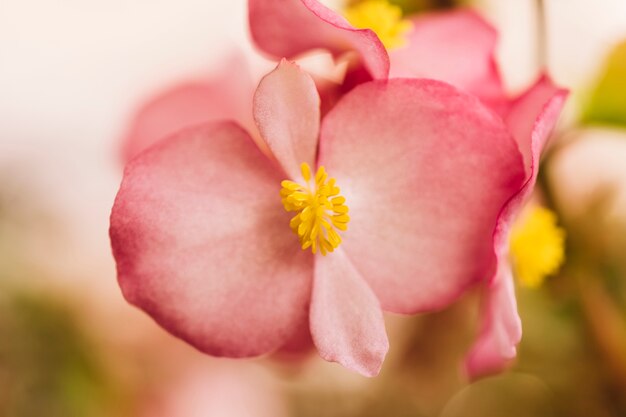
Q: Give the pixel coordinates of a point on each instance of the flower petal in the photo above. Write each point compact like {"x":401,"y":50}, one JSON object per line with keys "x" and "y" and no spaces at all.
{"x":501,"y":328}
{"x":299,"y":345}
{"x":347,"y":322}
{"x":287,"y":113}
{"x":425,"y":170}
{"x":457,"y":47}
{"x":288,"y":28}
{"x":226,"y":95}
{"x":203,"y":244}
{"x":531,"y":119}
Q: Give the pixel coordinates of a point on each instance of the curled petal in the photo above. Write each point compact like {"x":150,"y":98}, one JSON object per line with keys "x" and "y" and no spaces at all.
{"x":531,"y":119}
{"x":287,"y":113}
{"x":288,"y":28}
{"x":346,"y":319}
{"x":425,"y":170}
{"x":202,"y":243}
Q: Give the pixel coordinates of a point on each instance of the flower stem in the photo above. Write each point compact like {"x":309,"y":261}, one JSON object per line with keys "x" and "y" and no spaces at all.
{"x":606,"y":325}
{"x":542,"y":47}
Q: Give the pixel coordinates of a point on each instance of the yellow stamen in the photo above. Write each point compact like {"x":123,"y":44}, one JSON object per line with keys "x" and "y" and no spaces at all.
{"x":383,"y":18}
{"x":537,"y":246}
{"x":320,"y":210}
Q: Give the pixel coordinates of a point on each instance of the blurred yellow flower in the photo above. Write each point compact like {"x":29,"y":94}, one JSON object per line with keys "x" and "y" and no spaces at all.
{"x":537,"y":246}
{"x":383,"y":18}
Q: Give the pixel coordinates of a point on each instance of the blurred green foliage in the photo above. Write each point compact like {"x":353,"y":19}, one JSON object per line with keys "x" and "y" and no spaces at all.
{"x":561,"y":371}
{"x":559,"y":350}
{"x":607,"y":103}
{"x":48,"y":367}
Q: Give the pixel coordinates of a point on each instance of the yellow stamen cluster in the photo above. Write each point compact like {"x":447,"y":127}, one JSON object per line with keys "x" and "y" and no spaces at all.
{"x":537,"y":246}
{"x":320,"y":210}
{"x":383,"y":18}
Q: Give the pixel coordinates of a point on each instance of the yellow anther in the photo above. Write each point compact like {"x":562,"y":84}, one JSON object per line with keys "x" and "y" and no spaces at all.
{"x":320,"y":210}
{"x":383,"y":18}
{"x":306,"y":171}
{"x":537,"y":246}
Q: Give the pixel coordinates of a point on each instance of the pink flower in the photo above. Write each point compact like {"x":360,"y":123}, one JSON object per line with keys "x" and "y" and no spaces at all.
{"x":456,"y":47}
{"x":227,"y":94}
{"x":204,"y":245}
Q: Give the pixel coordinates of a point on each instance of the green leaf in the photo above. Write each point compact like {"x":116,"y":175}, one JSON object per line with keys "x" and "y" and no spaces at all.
{"x":607,"y":103}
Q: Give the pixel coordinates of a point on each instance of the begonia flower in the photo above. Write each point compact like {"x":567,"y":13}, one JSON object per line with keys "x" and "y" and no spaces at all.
{"x":207,"y":245}
{"x":456,"y":47}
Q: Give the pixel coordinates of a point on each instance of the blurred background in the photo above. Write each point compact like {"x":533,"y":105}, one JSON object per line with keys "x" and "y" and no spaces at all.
{"x":72,"y":75}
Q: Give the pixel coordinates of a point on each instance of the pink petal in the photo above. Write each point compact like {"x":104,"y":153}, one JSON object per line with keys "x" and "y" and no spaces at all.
{"x":287,"y":113}
{"x":457,"y":47}
{"x":288,"y":28}
{"x":346,"y":319}
{"x":203,"y":244}
{"x":531,"y":119}
{"x":501,"y":329}
{"x":425,"y":170}
{"x":299,"y":345}
{"x":227,"y":95}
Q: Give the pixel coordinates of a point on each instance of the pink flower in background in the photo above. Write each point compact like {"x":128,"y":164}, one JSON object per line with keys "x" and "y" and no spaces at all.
{"x":208,"y":247}
{"x":218,"y":390}
{"x":456,"y":47}
{"x":227,"y":94}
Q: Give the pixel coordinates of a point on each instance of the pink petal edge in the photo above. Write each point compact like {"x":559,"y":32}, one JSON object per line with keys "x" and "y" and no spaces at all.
{"x":531,"y":119}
